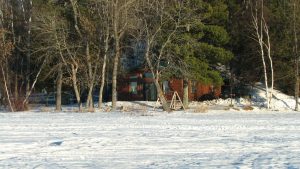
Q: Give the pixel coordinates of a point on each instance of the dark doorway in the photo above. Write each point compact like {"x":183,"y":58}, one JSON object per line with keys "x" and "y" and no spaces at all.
{"x":150,"y":93}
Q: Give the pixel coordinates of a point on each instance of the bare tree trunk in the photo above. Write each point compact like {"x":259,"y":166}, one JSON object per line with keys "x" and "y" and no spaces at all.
{"x":186,"y":93}
{"x":27,"y":78}
{"x":90,"y":93}
{"x":156,"y":73}
{"x":28,"y":53}
{"x":100,"y":101}
{"x":75,"y":12}
{"x":75,"y":86}
{"x":114,"y":76}
{"x":117,"y":55}
{"x":260,"y":37}
{"x":262,"y":53}
{"x":6,"y":89}
{"x":58,"y":88}
{"x":90,"y":78}
{"x":102,"y":84}
{"x":25,"y":101}
{"x":90,"y":104}
{"x":272,"y":80}
{"x":268,"y":46}
{"x":103,"y":70}
{"x":156,"y":83}
{"x":297,"y":86}
{"x":16,"y":92}
{"x":161,"y":96}
{"x":74,"y":70}
{"x":297,"y":79}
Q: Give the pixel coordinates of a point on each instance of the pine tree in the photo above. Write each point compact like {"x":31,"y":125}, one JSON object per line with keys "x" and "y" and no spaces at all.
{"x":201,"y":43}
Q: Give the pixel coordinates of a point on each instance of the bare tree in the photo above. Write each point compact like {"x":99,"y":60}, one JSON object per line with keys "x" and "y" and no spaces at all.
{"x":86,"y":29}
{"x":295,"y":31}
{"x":8,"y":43}
{"x":48,"y":30}
{"x":158,"y":26}
{"x":261,"y":30}
{"x":102,"y":83}
{"x":104,"y":36}
{"x":26,"y":6}
{"x":5,"y":51}
{"x":120,"y":11}
{"x":6,"y":47}
{"x":74,"y":62}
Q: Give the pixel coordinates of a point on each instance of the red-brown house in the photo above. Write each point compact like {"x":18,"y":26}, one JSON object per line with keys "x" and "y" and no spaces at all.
{"x":139,"y":86}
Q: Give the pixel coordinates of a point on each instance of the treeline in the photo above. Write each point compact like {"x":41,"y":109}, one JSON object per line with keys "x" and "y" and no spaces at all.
{"x":78,"y":44}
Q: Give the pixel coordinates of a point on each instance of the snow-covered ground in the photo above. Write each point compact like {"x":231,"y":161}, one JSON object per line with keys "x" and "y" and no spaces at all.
{"x":143,"y":139}
{"x":210,"y":134}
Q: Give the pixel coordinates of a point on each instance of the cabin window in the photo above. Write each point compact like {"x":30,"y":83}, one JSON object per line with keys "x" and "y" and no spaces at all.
{"x":148,"y":75}
{"x":133,"y":88}
{"x":166,"y":87}
{"x":133,"y":77}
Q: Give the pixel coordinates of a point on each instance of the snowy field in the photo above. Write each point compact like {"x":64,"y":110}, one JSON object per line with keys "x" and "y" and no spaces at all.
{"x":218,"y":139}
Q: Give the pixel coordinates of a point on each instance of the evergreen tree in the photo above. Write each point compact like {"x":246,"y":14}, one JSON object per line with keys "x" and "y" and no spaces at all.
{"x":201,"y":43}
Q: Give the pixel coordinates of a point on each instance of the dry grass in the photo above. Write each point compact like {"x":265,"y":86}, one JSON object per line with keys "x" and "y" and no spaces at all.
{"x":201,"y":109}
{"x":248,"y":108}
{"x":227,"y":108}
{"x":19,"y":106}
{"x":126,"y":109}
{"x":231,"y":107}
{"x":46,"y":109}
{"x":107,"y":109}
{"x":235,"y":108}
{"x":91,"y":110}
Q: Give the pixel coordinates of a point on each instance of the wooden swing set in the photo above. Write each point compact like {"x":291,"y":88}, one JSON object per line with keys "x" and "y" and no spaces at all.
{"x":175,"y":104}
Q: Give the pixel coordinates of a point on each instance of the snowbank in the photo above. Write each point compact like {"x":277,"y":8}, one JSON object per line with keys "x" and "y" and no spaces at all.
{"x":280,"y":101}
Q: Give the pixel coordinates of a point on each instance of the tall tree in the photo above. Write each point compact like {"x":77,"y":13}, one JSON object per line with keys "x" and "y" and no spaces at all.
{"x":6,"y":47}
{"x":5,"y":51}
{"x":262,"y":36}
{"x":295,"y":30}
{"x":120,"y":17}
{"x":201,"y":43}
{"x":104,"y":36}
{"x":26,"y":6}
{"x":47,"y":29}
{"x":159,"y":23}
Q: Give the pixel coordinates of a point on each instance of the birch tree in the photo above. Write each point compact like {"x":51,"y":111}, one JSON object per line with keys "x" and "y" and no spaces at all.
{"x":262,"y":37}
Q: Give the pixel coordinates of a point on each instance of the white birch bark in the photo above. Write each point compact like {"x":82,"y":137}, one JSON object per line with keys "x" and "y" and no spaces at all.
{"x":297,"y":79}
{"x":258,"y":25}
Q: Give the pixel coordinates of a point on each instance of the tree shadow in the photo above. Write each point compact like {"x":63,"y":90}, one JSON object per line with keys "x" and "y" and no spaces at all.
{"x":263,"y":99}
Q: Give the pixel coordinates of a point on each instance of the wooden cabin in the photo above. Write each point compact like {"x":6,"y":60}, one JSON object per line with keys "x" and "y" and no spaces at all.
{"x":139,"y":86}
